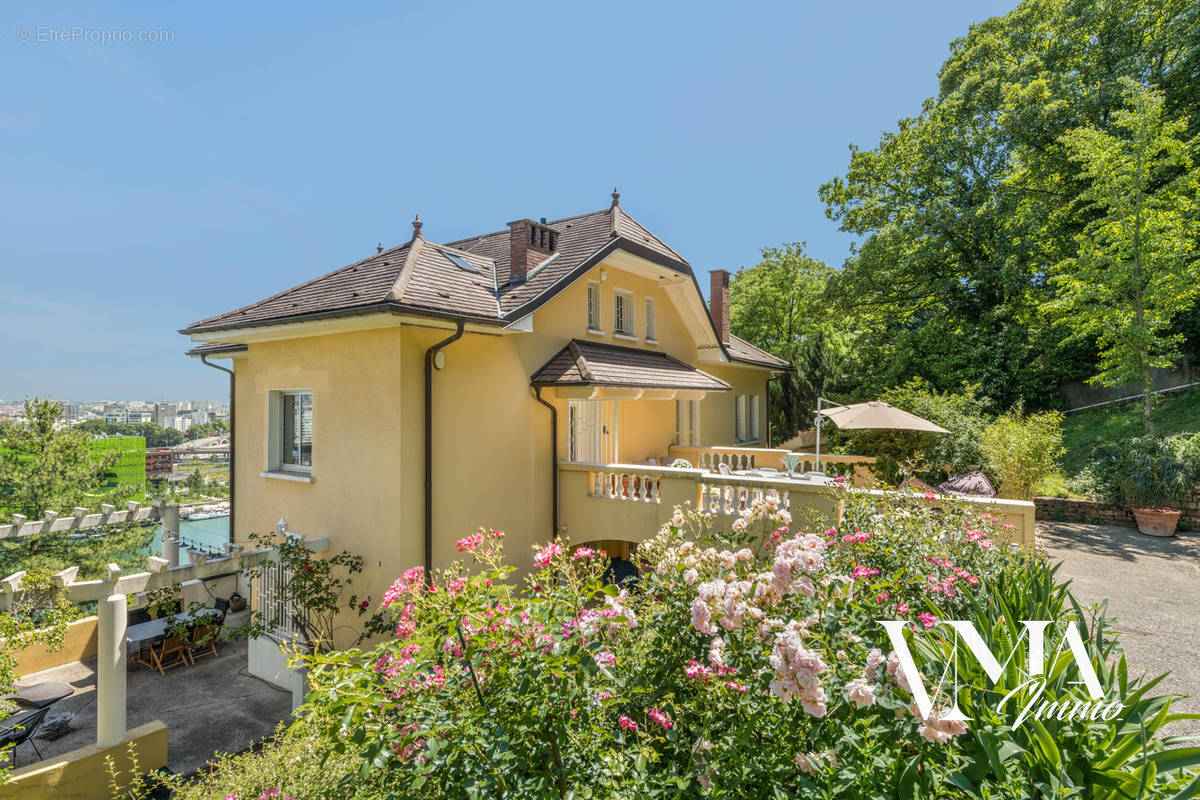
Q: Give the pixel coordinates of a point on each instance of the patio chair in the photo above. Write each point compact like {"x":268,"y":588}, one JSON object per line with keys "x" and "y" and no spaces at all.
{"x":222,"y":605}
{"x":203,"y":641}
{"x":170,"y":651}
{"x":18,"y":730}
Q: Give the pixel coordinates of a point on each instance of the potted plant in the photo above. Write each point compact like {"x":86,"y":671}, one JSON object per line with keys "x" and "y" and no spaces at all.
{"x":1148,"y":474}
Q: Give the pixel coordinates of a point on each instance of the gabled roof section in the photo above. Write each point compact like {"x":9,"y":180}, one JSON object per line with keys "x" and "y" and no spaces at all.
{"x":593,"y":364}
{"x":423,"y":277}
{"x":741,"y":350}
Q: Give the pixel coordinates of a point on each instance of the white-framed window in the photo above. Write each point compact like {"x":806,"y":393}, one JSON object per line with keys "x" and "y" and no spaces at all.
{"x":291,"y":439}
{"x":687,"y":423}
{"x":755,"y":433}
{"x":650,"y":332}
{"x":623,"y":323}
{"x":593,"y":307}
{"x":740,"y":418}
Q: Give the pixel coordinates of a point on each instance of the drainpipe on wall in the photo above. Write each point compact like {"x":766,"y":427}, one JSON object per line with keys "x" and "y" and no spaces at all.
{"x":429,"y":354}
{"x":232,"y":461}
{"x":537,"y":390}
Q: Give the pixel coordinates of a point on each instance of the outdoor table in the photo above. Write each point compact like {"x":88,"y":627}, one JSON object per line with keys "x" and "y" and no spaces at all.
{"x":40,"y":695}
{"x":137,"y":637}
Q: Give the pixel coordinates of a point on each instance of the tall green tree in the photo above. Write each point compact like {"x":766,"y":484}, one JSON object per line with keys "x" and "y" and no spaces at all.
{"x":963,"y":208}
{"x":1138,"y":261}
{"x":45,"y":467}
{"x":779,"y":305}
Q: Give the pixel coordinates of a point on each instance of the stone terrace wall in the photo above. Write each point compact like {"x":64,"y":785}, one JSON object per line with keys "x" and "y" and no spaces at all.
{"x":1062,"y":510}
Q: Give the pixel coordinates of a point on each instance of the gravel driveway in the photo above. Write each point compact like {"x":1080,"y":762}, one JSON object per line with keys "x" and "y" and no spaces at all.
{"x":1153,"y":589}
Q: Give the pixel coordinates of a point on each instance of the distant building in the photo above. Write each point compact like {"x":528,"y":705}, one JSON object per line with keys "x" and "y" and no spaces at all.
{"x":160,"y":461}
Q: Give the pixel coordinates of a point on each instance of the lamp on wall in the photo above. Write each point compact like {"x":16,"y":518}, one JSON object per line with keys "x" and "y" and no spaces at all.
{"x":603,"y":276}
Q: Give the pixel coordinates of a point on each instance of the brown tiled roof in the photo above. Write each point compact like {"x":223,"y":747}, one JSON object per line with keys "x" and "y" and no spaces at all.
{"x":417,"y":276}
{"x":741,"y":350}
{"x":591,"y":364}
{"x":214,"y":348}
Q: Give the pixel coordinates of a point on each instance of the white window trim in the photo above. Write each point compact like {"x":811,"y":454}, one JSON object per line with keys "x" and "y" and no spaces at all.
{"x":597,"y":286}
{"x":630,"y":330}
{"x":274,"y":456}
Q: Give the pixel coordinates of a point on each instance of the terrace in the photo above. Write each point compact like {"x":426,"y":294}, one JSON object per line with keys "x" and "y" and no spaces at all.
{"x":211,"y":706}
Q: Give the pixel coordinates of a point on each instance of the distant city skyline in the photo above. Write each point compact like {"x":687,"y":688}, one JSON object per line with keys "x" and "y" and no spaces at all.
{"x":152,"y":185}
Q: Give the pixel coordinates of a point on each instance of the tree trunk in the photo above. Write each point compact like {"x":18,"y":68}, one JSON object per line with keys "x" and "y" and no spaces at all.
{"x":1147,"y":394}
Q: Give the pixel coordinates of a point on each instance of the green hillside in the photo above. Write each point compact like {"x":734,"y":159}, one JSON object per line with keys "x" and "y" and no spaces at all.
{"x":1176,"y":412}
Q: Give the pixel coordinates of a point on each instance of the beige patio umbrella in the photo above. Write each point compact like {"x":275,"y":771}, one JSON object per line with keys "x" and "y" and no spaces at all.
{"x":875,"y":415}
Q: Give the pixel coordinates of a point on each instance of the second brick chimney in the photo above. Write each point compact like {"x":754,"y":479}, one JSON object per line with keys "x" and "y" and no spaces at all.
{"x":530,"y":243}
{"x":718,"y":301}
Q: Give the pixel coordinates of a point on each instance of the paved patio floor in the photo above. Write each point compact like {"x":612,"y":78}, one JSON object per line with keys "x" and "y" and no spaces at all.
{"x":1153,"y":589}
{"x":211,"y":706}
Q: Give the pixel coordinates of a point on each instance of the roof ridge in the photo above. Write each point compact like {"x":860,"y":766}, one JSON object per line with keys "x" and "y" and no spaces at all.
{"x":298,"y":286}
{"x":655,"y":236}
{"x":406,"y":270}
{"x":506,"y":231}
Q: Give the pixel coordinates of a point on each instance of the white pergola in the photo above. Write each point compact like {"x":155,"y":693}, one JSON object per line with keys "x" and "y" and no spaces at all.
{"x":111,"y":595}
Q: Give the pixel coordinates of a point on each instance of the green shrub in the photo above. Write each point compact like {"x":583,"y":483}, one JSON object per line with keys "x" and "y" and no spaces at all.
{"x":1022,"y":451}
{"x":746,"y":662}
{"x":1141,"y":472}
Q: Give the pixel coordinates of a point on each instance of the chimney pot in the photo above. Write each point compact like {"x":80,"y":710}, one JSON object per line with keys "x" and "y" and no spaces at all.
{"x":718,"y":302}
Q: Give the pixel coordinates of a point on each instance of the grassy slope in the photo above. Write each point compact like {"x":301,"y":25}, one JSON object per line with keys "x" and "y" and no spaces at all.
{"x":1177,"y":412}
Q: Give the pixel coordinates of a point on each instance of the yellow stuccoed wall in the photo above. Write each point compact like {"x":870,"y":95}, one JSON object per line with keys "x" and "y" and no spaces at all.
{"x":492,"y":439}
{"x":83,"y":774}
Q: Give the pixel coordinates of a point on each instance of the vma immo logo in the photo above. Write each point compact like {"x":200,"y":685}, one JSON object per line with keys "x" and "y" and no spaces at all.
{"x":1029,"y":695}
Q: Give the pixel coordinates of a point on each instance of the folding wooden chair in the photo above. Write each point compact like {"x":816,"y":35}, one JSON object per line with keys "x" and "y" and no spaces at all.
{"x":170,"y":652}
{"x":204,"y":641}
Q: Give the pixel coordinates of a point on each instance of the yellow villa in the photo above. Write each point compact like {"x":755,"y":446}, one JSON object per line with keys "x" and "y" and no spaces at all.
{"x":398,"y":403}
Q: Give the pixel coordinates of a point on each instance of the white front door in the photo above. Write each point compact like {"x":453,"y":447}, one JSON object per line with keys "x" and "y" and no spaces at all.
{"x":592,"y":431}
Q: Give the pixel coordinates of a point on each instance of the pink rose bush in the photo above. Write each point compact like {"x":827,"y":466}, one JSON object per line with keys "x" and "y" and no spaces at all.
{"x":746,"y":660}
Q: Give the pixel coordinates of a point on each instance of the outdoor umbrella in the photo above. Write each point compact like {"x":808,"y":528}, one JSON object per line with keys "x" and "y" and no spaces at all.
{"x":875,"y":415}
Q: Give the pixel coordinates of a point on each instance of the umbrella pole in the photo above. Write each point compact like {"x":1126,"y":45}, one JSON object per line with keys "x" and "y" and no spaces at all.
{"x":818,"y":464}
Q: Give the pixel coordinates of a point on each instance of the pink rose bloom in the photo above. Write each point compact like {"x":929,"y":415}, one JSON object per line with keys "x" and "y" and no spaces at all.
{"x":547,"y":554}
{"x":626,"y":723}
{"x":661,"y":718}
{"x":928,"y":620}
{"x":860,"y":693}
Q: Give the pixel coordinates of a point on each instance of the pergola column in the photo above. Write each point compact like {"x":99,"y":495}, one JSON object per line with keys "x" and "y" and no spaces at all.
{"x":110,"y":678}
{"x":170,"y":534}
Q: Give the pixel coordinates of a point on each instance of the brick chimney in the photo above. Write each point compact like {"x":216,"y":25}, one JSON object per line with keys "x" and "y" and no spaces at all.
{"x":530,"y":243}
{"x":718,"y":301}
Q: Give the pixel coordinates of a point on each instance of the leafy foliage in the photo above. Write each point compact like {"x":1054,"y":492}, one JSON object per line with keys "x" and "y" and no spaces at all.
{"x":745,"y":662}
{"x":1022,"y":451}
{"x":1138,"y":265}
{"x":1142,"y":472}
{"x":127,"y":545}
{"x":44,"y":467}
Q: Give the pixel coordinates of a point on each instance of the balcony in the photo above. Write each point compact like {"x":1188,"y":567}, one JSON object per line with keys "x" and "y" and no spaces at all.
{"x":630,"y":502}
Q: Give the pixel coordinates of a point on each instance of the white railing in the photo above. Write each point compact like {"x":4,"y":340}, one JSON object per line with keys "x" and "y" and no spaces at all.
{"x":632,"y":482}
{"x":726,"y":497}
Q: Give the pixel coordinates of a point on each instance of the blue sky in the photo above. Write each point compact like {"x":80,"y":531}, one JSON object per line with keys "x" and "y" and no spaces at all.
{"x":149,"y":184}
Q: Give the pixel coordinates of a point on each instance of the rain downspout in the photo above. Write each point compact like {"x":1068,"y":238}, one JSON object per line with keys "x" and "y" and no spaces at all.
{"x":537,"y":390}
{"x":429,"y":355}
{"x":232,"y":461}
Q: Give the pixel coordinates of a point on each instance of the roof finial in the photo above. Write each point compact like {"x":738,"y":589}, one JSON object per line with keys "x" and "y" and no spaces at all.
{"x":616,"y":198}
{"x":379,"y":247}
{"x":417,"y":226}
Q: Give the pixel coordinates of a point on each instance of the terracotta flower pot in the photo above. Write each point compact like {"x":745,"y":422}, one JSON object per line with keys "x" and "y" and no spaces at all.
{"x":1156,"y":521}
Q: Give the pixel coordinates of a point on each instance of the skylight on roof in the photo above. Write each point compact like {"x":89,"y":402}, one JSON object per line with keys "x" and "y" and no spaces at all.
{"x":459,"y":261}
